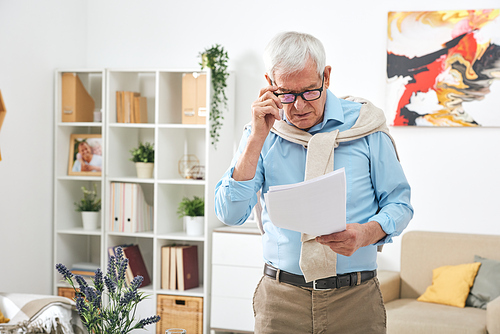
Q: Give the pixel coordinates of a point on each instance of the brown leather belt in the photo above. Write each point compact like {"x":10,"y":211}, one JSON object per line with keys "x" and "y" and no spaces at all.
{"x":328,"y":283}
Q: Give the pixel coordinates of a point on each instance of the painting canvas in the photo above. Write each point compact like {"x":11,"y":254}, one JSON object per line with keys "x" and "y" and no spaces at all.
{"x":443,"y":68}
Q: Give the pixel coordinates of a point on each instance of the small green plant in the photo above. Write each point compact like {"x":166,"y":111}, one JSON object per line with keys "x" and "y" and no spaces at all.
{"x":215,"y":58}
{"x":144,"y":153}
{"x":191,"y":207}
{"x":89,"y":202}
{"x":108,"y":307}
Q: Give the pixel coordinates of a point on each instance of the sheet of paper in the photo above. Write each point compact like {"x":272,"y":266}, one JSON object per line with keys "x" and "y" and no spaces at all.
{"x":316,"y":207}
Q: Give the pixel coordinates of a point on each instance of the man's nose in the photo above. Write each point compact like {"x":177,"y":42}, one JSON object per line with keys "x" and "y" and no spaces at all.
{"x":299,"y":103}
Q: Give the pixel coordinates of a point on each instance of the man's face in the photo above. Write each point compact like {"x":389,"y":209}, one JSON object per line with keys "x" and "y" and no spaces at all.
{"x":304,"y":114}
{"x":85,"y":150}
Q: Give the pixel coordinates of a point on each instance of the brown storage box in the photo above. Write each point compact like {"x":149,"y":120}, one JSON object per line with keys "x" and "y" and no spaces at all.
{"x":194,"y":99}
{"x":180,"y":312}
{"x":77,"y":104}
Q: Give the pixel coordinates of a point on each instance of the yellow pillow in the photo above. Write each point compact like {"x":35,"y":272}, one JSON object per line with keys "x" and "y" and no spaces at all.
{"x":451,"y":284}
{"x":3,"y":319}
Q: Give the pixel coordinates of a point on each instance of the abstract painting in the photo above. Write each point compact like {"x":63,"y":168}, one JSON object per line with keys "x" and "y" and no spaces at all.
{"x":443,"y":68}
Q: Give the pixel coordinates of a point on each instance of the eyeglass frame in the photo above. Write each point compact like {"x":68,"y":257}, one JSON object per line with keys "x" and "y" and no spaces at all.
{"x":320,"y":90}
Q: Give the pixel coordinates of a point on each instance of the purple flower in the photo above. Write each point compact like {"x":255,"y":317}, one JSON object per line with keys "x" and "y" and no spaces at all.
{"x":112,"y":269}
{"x":149,"y":321}
{"x":122,"y":269}
{"x":111,"y":285}
{"x":81,"y":306}
{"x":98,"y":281}
{"x":83,"y":284}
{"x":136,"y":282}
{"x":61,"y":268}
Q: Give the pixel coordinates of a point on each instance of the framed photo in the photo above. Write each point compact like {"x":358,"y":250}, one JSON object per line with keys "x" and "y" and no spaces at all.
{"x":85,"y":155}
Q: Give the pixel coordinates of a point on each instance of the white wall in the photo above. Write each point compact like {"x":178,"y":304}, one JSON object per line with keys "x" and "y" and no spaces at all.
{"x":452,"y":171}
{"x":36,"y":37}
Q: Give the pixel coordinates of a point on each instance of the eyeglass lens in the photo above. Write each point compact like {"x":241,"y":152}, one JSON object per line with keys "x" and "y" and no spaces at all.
{"x":308,"y":96}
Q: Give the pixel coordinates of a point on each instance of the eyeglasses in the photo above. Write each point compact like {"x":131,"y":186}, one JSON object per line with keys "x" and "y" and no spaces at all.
{"x":308,"y":95}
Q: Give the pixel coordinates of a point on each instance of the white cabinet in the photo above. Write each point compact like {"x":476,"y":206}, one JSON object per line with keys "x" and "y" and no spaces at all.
{"x":237,"y":266}
{"x":172,"y":140}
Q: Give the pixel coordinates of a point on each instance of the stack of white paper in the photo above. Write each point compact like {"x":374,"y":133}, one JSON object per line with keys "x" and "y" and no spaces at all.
{"x":316,"y":206}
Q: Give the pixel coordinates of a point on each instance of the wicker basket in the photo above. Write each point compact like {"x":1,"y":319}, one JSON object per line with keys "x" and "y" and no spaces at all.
{"x":66,"y":292}
{"x":180,"y":312}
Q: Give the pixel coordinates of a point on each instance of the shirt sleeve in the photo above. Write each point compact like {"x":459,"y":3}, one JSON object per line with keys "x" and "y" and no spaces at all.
{"x":391,"y":187}
{"x":234,"y":200}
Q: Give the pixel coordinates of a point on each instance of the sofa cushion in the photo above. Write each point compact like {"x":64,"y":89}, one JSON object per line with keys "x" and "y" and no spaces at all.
{"x":486,"y":287}
{"x":411,"y":316}
{"x":451,"y":284}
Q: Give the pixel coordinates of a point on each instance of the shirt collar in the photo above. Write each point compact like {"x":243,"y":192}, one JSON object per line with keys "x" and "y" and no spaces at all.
{"x":333,"y":111}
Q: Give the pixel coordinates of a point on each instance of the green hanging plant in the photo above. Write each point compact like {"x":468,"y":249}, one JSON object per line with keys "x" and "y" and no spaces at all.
{"x":215,"y":58}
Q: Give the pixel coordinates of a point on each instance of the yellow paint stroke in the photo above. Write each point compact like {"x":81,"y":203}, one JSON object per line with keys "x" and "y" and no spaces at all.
{"x":476,"y":18}
{"x":445,"y":118}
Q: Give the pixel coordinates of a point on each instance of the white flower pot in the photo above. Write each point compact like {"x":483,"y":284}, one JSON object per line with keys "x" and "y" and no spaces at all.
{"x":144,"y":169}
{"x":91,"y":220}
{"x":194,"y":225}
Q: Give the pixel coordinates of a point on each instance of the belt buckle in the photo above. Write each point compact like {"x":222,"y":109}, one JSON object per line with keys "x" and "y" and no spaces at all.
{"x":315,"y":286}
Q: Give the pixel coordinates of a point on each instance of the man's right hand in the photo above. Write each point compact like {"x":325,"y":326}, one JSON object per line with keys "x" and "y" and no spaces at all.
{"x":265,"y":110}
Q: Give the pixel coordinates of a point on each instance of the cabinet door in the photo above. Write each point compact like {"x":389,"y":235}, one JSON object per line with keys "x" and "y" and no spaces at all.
{"x":237,"y":249}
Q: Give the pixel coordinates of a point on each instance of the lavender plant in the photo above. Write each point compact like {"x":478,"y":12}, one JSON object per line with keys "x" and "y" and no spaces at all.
{"x":118,"y":315}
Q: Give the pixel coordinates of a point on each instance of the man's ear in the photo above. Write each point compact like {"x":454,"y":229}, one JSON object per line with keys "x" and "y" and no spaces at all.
{"x":327,"y":72}
{"x":269,"y":81}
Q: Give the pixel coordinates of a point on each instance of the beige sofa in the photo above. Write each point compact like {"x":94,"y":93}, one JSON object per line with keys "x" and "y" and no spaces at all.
{"x":421,"y":252}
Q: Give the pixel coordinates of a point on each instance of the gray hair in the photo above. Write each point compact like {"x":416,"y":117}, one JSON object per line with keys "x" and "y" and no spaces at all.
{"x":288,"y":52}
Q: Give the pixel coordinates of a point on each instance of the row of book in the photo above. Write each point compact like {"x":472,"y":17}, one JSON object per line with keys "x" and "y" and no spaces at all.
{"x":179,"y":267}
{"x":136,"y":265}
{"x":129,"y":211}
{"x":131,"y":107}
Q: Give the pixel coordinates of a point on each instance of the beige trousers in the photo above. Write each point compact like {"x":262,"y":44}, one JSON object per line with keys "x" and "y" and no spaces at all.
{"x":283,"y":308}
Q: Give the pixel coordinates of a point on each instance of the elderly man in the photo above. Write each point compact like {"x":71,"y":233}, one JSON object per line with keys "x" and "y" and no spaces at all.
{"x":325,"y":284}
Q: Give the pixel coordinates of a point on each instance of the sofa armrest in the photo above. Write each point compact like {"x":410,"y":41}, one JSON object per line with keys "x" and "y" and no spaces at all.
{"x":390,"y":282}
{"x":493,"y":316}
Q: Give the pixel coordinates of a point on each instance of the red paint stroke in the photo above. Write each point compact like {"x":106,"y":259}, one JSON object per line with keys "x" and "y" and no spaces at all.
{"x":424,"y":81}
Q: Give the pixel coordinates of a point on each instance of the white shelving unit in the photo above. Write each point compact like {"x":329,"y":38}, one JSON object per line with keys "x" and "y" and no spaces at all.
{"x":72,"y":243}
{"x":172,"y":140}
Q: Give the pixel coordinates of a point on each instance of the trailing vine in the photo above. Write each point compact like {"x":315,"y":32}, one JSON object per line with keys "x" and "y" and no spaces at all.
{"x":215,"y":58}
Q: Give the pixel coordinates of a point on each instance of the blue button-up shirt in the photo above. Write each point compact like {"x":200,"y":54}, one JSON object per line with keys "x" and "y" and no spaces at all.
{"x":377,"y":189}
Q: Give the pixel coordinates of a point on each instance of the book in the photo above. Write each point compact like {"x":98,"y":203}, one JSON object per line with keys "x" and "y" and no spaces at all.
{"x":140,"y":109}
{"x":165,"y":267}
{"x":84,"y":268}
{"x":172,"y":285}
{"x":119,"y":106}
{"x":187,"y":267}
{"x":136,"y":263}
{"x":77,"y":104}
{"x":86,"y":273}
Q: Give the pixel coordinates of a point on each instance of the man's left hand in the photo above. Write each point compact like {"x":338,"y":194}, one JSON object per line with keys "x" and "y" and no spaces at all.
{"x":353,"y":237}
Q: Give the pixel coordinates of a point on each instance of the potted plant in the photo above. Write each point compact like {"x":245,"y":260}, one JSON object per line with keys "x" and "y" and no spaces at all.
{"x":110,"y":306}
{"x":144,"y":158}
{"x":89,"y":206}
{"x":192,"y":211}
{"x":215,"y":58}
